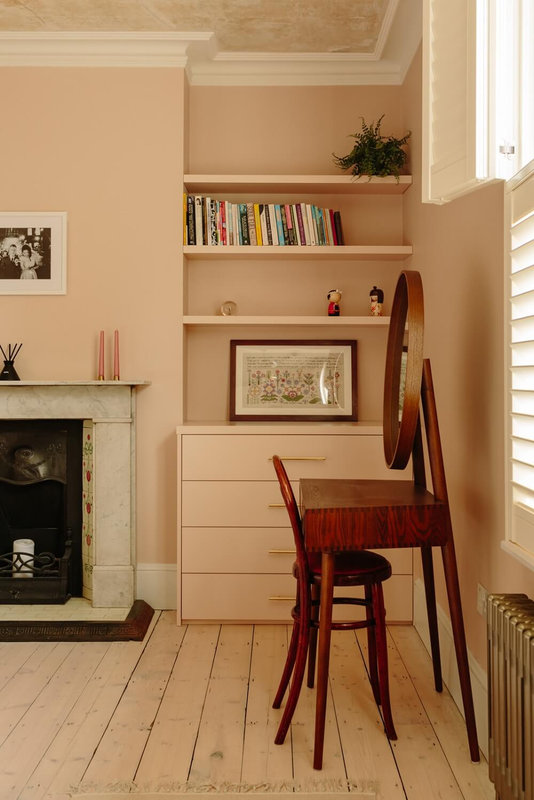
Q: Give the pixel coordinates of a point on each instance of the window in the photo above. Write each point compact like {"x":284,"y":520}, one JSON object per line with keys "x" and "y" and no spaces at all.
{"x":520,"y":366}
{"x":478,"y":93}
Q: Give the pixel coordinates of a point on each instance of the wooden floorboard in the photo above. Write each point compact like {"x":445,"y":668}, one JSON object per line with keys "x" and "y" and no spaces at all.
{"x":189,"y":709}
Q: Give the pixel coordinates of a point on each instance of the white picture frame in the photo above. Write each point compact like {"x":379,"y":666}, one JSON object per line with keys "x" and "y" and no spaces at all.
{"x":33,"y":252}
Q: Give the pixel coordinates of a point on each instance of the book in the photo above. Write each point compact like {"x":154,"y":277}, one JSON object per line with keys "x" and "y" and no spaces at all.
{"x":230,"y":233}
{"x":267,"y":223}
{"x":332,"y":226}
{"x":279,"y":226}
{"x":212,"y":213}
{"x":184,"y":212}
{"x":274,"y":228}
{"x":259,"y":239}
{"x":284,"y":224}
{"x":198,"y":220}
{"x":300,"y":224}
{"x":291,"y":236}
{"x":251,"y":224}
{"x":244,"y":223}
{"x":311,"y":224}
{"x":205,"y":220}
{"x":190,"y":219}
{"x":339,"y":229}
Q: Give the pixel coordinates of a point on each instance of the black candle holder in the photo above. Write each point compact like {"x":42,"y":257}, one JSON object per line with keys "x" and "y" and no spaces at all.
{"x":9,"y":373}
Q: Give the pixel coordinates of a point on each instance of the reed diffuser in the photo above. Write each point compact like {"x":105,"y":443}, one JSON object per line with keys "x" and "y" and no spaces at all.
{"x":9,"y":373}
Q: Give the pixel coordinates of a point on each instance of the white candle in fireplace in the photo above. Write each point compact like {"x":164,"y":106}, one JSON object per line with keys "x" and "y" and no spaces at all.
{"x":26,"y":549}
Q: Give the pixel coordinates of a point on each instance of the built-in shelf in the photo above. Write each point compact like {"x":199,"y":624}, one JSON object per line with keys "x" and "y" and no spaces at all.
{"x":307,"y":184}
{"x":345,"y":252}
{"x":285,"y":320}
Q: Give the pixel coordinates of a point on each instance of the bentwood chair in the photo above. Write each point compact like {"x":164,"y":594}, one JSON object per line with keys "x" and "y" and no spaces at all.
{"x":360,"y":568}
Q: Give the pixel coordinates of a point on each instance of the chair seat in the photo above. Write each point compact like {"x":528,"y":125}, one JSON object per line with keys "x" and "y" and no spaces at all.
{"x":353,"y":568}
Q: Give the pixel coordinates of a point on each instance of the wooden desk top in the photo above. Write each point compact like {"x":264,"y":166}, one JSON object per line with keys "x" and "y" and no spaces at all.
{"x":342,"y":514}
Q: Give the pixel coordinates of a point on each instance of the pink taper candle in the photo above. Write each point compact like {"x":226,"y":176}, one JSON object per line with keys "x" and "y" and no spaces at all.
{"x":116,"y":368}
{"x":101,"y":358}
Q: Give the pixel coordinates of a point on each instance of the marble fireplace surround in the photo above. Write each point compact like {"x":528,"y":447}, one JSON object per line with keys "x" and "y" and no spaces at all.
{"x":107,"y":409}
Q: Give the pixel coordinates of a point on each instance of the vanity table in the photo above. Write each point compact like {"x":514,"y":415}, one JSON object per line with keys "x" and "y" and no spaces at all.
{"x":340,"y":514}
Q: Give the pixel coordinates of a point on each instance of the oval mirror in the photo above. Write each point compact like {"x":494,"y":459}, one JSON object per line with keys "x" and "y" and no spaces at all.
{"x":404,"y":367}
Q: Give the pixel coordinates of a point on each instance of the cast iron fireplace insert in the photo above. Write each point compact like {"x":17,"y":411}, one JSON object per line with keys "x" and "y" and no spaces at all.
{"x":40,"y":501}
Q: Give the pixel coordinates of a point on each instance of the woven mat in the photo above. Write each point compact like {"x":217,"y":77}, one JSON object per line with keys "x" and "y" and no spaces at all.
{"x":307,"y":790}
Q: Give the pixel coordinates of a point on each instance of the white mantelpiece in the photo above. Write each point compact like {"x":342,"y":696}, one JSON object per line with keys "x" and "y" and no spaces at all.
{"x":108,"y":411}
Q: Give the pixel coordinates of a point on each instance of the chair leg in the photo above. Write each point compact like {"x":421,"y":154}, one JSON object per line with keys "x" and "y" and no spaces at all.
{"x":371,"y":644}
{"x":303,"y":639}
{"x":382,"y":654}
{"x":288,"y":666}
{"x":312,"y":648}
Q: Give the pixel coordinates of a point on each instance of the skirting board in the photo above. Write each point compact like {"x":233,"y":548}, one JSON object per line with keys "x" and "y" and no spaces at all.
{"x":157,"y":584}
{"x":479,"y":678}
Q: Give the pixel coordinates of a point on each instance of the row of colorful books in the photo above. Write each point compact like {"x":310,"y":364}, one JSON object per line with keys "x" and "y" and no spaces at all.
{"x":220,"y":222}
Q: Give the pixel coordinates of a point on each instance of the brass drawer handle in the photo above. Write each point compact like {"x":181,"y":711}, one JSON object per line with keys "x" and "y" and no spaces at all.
{"x":301,"y":458}
{"x":281,"y":597}
{"x":276,"y":505}
{"x":285,"y":552}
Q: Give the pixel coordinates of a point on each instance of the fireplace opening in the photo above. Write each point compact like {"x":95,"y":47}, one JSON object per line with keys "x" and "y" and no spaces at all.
{"x":40,"y":510}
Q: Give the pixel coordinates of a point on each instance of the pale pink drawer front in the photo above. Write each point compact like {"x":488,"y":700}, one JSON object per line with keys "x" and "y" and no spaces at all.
{"x":269,"y":550}
{"x":247,"y":457}
{"x":268,"y":598}
{"x":233,"y":503}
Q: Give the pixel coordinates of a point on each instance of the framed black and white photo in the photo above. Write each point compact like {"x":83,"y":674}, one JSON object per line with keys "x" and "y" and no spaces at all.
{"x":33,"y":252}
{"x":293,"y":380}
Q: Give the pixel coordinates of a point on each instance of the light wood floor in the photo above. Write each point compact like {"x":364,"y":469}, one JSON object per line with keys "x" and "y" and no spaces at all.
{"x":189,"y":708}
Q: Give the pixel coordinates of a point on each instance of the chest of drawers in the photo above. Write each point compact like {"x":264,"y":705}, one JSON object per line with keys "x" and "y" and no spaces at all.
{"x":235,"y":545}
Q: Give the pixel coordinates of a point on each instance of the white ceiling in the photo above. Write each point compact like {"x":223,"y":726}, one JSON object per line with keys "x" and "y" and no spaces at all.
{"x":233,"y":41}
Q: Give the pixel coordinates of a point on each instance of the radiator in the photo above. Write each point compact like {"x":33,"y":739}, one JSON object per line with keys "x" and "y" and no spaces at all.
{"x":510,"y":620}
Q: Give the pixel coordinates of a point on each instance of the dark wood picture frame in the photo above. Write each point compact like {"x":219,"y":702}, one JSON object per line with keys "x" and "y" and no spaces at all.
{"x":318,"y":357}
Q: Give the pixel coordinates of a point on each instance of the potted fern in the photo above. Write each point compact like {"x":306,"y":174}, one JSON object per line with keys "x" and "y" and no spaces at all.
{"x":373,"y":153}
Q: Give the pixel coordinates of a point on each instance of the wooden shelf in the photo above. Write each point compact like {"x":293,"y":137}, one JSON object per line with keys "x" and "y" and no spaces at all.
{"x":331,"y":322}
{"x":346,"y":252}
{"x":306,"y":184}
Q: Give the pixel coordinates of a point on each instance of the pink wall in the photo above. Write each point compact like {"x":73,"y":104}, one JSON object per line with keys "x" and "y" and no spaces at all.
{"x":458,"y":247}
{"x":288,"y":130}
{"x":105,"y":145}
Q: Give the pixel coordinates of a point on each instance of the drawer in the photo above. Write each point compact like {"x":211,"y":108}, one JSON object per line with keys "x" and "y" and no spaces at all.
{"x":233,"y":504}
{"x":261,"y":550}
{"x":247,"y":457}
{"x":269,"y":598}
{"x":269,"y":550}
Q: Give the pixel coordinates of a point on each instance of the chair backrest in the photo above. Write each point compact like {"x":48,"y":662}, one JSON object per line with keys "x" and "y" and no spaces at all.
{"x":294,"y":517}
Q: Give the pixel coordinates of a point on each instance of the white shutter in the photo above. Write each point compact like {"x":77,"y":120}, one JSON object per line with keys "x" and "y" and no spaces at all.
{"x":520,"y":395}
{"x":456,"y":54}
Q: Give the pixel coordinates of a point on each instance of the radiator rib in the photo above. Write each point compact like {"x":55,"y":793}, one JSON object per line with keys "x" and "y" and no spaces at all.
{"x":510,"y":619}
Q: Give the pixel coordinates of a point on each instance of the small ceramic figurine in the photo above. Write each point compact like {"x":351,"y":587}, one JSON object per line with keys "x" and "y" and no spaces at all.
{"x":377,"y":298}
{"x":334,"y":296}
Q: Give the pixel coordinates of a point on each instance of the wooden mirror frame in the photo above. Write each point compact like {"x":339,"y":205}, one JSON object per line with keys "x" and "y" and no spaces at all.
{"x":406,"y":324}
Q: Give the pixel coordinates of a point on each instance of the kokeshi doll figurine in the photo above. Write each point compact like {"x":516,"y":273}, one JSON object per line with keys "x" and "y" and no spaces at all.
{"x":334,"y":296}
{"x":377,"y":298}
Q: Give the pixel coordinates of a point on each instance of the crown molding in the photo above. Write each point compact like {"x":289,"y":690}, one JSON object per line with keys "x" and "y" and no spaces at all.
{"x":205,"y":64}
{"x":103,"y":48}
{"x":293,"y":69}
